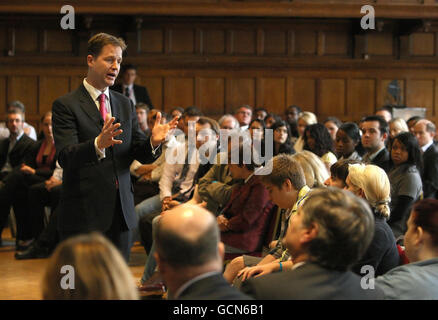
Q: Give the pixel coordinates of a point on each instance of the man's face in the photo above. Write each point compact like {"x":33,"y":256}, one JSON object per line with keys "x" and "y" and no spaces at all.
{"x":15,"y":123}
{"x":422,"y":135}
{"x":279,"y":196}
{"x":141,"y":115}
{"x":293,"y":238}
{"x":103,"y":69}
{"x":129,"y":76}
{"x":261,"y":115}
{"x":243,"y":115}
{"x":372,"y":139}
{"x":292,"y":115}
{"x":227,"y":124}
{"x":203,"y":134}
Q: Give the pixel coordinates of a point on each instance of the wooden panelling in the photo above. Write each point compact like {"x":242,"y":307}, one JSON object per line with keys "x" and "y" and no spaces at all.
{"x":303,"y":93}
{"x":58,"y":41}
{"x":331,"y":99}
{"x":239,"y":91}
{"x":361,"y":98}
{"x":305,"y":42}
{"x":275,"y":42}
{"x":379,"y":44}
{"x":51,"y":88}
{"x":3,"y":100}
{"x":210,"y":95}
{"x":76,"y":81}
{"x":244,"y":42}
{"x":272,"y":94}
{"x":336,"y":43}
{"x":178,"y":92}
{"x":213,"y":41}
{"x":152,"y":41}
{"x":25,"y":89}
{"x":422,"y":44}
{"x":181,"y":40}
{"x":26,"y":40}
{"x":420,"y":93}
{"x":155,"y":89}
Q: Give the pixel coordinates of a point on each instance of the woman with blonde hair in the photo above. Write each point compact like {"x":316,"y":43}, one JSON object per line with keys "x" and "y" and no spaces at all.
{"x":396,"y":126}
{"x":371,"y":183}
{"x":99,"y":271}
{"x":305,"y":119}
{"x":314,"y":169}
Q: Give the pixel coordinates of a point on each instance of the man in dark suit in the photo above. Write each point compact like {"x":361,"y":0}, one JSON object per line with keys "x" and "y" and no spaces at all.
{"x":97,"y":192}
{"x":425,"y":130}
{"x":12,"y":152}
{"x":374,"y":134}
{"x":329,"y":233}
{"x":134,"y":92}
{"x":190,"y":255}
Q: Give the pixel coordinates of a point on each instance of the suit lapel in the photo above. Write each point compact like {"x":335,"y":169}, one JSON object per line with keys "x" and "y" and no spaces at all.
{"x":89,"y":107}
{"x":114,"y":106}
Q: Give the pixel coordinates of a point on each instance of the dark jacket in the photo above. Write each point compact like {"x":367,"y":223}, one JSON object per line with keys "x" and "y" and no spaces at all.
{"x":140,"y":92}
{"x":90,"y":186}
{"x":309,"y":282}
{"x":18,"y":153}
{"x":383,"y":160}
{"x":430,"y":172}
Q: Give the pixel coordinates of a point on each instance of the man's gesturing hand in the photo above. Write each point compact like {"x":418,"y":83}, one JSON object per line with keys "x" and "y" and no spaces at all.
{"x":106,"y":137}
{"x":160,"y":131}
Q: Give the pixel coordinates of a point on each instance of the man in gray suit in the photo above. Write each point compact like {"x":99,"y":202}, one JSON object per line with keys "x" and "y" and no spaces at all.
{"x":329,"y":233}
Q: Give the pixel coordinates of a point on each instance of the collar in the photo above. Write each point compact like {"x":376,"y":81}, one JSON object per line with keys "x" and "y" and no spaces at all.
{"x":426,"y":146}
{"x":131,"y":86}
{"x":297,"y":265}
{"x":95,"y":93}
{"x":372,"y":156}
{"x":301,"y":196}
{"x":192,"y":281}
{"x":19,"y":136}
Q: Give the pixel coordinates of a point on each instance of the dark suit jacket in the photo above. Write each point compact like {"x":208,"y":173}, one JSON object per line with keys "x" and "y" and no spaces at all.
{"x":18,"y":153}
{"x":140,"y":92}
{"x":89,"y":192}
{"x":31,"y":161}
{"x":309,"y":282}
{"x":383,"y":160}
{"x":430,"y":172}
{"x":214,"y":287}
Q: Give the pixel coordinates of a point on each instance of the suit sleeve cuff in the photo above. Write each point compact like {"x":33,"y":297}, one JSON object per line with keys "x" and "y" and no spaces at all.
{"x":99,"y":152}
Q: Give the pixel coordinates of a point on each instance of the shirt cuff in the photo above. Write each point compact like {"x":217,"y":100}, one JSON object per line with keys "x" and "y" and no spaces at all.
{"x":99,"y":152}
{"x":152,"y":147}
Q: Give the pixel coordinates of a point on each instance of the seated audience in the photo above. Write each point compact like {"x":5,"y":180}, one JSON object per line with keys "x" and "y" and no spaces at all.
{"x":189,"y":255}
{"x":405,"y":179}
{"x":270,"y":119}
{"x":332,"y":124}
{"x":281,"y":137}
{"x":228,"y":122}
{"x":330,"y":220}
{"x":412,"y":121}
{"x":244,"y":219}
{"x":176,"y":112}
{"x":38,"y":166}
{"x":348,"y":142}
{"x":304,"y":119}
{"x":396,"y":126}
{"x":374,"y":135}
{"x":287,"y":188}
{"x":417,"y":280}
{"x":425,"y":132}
{"x":100,"y":272}
{"x":339,"y":174}
{"x":371,"y":183}
{"x":28,"y":129}
{"x":291,"y":116}
{"x":317,"y":140}
{"x":314,"y":169}
{"x":142,"y":109}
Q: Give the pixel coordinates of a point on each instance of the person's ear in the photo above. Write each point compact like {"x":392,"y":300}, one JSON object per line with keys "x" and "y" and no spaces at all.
{"x":384,"y":136}
{"x":287,"y":185}
{"x":221,"y":250}
{"x":419,"y":236}
{"x":90,"y":60}
{"x":309,"y":233}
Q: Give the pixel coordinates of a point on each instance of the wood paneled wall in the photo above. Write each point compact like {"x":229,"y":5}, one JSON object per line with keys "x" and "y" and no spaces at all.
{"x":330,"y":67}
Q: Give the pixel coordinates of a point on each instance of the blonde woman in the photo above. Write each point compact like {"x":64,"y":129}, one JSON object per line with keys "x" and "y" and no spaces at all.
{"x":314,"y":169}
{"x":396,"y":126}
{"x":371,"y":183}
{"x":100,"y":272}
{"x":305,"y":119}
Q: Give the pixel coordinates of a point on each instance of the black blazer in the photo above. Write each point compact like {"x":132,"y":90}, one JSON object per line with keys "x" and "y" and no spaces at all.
{"x":89,"y":192}
{"x":383,"y":160}
{"x":430,"y":172}
{"x":18,"y":153}
{"x":214,"y":287}
{"x":309,"y":282}
{"x":140,"y":92}
{"x":30,"y":160}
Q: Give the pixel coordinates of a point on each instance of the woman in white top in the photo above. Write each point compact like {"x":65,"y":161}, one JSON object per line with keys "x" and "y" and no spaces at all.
{"x":305,"y":119}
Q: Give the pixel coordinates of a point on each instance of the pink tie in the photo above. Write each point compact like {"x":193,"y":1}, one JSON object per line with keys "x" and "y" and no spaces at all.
{"x":102,"y":108}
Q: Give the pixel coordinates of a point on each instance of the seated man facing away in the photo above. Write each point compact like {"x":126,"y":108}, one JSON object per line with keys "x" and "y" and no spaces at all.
{"x":329,"y":233}
{"x":287,"y":188}
{"x":190,"y":255}
{"x":418,"y":279}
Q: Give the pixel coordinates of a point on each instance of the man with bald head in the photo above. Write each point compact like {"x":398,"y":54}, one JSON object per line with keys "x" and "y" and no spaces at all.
{"x":424,"y":131}
{"x":190,"y":255}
